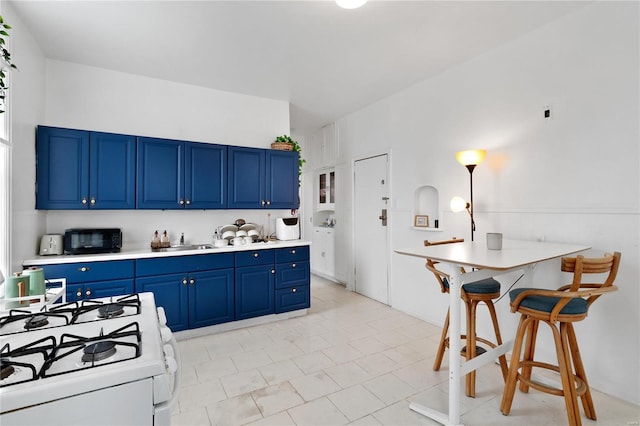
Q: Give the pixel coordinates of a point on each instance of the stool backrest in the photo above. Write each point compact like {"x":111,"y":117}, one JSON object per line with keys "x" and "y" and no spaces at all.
{"x":581,"y":265}
{"x":442,"y":277}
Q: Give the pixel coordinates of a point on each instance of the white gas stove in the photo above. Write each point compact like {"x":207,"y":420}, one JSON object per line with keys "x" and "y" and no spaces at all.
{"x":102,"y":361}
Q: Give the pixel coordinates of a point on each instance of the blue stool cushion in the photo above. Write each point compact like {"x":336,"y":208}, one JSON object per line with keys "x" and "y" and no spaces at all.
{"x":546,"y":303}
{"x":488,"y":285}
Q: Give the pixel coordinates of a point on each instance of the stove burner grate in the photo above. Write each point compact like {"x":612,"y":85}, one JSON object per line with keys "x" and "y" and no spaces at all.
{"x":111,"y":310}
{"x":36,"y":321}
{"x":98,"y":351}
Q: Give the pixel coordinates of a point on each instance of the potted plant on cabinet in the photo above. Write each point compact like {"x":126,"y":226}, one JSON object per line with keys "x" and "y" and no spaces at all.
{"x":6,"y":65}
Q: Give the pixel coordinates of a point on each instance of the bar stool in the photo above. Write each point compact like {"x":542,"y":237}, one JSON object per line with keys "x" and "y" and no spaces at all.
{"x":472,"y":294}
{"x":558,"y":309}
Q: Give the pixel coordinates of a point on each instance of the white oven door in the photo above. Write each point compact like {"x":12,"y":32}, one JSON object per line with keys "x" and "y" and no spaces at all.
{"x":128,"y":404}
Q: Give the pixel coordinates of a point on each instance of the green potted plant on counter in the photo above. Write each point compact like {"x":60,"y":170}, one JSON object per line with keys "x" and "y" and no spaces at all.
{"x":285,"y":143}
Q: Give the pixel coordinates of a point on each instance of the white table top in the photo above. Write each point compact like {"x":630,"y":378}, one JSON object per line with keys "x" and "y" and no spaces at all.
{"x":514,"y":253}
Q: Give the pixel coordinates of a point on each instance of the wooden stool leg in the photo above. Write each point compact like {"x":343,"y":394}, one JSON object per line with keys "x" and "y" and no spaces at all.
{"x":470,"y":379}
{"x":443,"y":344}
{"x":566,"y":374}
{"x":502,"y":359}
{"x":529,"y":353}
{"x":587,"y":402}
{"x":512,"y":377}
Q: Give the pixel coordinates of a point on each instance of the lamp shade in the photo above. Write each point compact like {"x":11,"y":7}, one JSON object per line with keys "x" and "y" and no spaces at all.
{"x":350,"y":4}
{"x":471,"y":156}
{"x":458,"y":204}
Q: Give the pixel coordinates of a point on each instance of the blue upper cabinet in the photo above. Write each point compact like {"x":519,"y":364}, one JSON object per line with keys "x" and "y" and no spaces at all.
{"x":77,"y":169}
{"x":282,"y":179}
{"x":260,"y":178}
{"x":160,"y":174}
{"x":205,"y":183}
{"x":246,"y":178}
{"x":175,"y":175}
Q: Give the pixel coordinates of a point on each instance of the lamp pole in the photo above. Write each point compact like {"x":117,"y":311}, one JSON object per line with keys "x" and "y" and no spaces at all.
{"x":470,"y":167}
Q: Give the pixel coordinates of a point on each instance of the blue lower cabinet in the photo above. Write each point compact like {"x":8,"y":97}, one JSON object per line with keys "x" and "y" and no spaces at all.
{"x":211,"y":298}
{"x":255,"y":291}
{"x":293,"y":298}
{"x":172,"y":293}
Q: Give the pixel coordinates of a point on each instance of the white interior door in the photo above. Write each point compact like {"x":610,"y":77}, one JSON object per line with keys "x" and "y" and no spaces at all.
{"x":370,"y":195}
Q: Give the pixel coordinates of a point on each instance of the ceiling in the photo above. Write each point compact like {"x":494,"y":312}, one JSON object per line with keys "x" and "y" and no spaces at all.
{"x":324,"y":60}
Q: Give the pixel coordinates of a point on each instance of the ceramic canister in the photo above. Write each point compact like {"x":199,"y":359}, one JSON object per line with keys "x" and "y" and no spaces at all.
{"x":36,"y":280}
{"x":17,"y":285}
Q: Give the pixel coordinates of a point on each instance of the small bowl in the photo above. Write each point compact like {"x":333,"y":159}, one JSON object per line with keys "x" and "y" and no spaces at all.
{"x":253,"y":234}
{"x":220,"y":243}
{"x":248,"y":226}
{"x":227,"y":235}
{"x":241,"y":233}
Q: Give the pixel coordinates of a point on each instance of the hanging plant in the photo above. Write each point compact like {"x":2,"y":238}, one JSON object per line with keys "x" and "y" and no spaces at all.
{"x":6,"y":65}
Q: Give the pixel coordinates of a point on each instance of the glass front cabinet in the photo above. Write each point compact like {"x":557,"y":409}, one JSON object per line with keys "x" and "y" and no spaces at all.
{"x":327,"y":190}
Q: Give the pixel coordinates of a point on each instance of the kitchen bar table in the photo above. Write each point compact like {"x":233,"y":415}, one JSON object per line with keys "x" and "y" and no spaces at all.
{"x":481,"y":263}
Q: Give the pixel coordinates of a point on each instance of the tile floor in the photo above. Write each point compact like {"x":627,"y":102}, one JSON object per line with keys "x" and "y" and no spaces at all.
{"x":350,"y":360}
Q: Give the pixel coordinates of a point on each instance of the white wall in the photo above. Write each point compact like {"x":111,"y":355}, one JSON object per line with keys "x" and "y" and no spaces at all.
{"x":573,"y":178}
{"x":27,"y":93}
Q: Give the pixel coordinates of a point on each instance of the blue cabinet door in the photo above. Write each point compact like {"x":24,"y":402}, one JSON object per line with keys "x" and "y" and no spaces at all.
{"x":255,"y":291}
{"x":160,"y":174}
{"x":282,"y":179}
{"x":292,"y":298}
{"x":170,"y":292}
{"x":112,"y":171}
{"x":62,"y":168}
{"x":211,"y":298}
{"x":246,"y":178}
{"x":205,"y":176}
{"x":77,"y":169}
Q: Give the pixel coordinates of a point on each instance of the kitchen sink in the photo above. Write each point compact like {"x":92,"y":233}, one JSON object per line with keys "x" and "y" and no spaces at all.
{"x":186,"y":247}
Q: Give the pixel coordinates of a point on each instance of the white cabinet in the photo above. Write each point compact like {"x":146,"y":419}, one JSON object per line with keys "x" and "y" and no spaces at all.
{"x":324,"y":150}
{"x":326,"y":189}
{"x":323,"y":252}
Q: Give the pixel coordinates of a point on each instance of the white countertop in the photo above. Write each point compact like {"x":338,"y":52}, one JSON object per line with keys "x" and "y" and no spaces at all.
{"x":146,"y":253}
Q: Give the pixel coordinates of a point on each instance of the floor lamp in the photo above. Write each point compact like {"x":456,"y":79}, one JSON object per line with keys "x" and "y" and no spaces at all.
{"x":470,"y":159}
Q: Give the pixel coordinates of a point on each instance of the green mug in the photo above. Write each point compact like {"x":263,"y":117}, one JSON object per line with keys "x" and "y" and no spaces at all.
{"x":17,"y":285}
{"x":36,"y":280}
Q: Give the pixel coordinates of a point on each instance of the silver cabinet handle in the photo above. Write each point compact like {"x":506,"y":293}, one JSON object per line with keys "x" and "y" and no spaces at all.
{"x":79,"y":293}
{"x":293,"y":251}
{"x":263,"y":202}
{"x":268,"y":202}
{"x":83,"y":269}
{"x":84,"y":201}
{"x":293,"y":265}
{"x":184,"y":281}
{"x":181,"y":202}
{"x":293,"y":290}
{"x":192,"y":281}
{"x":273,"y":271}
{"x":256,"y":255}
{"x":188,"y":202}
{"x":93,"y":201}
{"x":88,"y":292}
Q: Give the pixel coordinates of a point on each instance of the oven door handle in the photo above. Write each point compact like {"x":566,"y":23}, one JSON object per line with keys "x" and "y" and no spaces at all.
{"x":177,"y":376}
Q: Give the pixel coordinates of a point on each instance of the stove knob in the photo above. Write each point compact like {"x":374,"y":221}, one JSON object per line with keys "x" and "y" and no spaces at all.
{"x":168,"y":351}
{"x":162,"y":317}
{"x":171,"y":364}
{"x":166,"y":334}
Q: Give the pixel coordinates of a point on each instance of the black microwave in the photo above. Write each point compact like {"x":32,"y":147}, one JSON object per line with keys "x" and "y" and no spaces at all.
{"x":92,"y":240}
